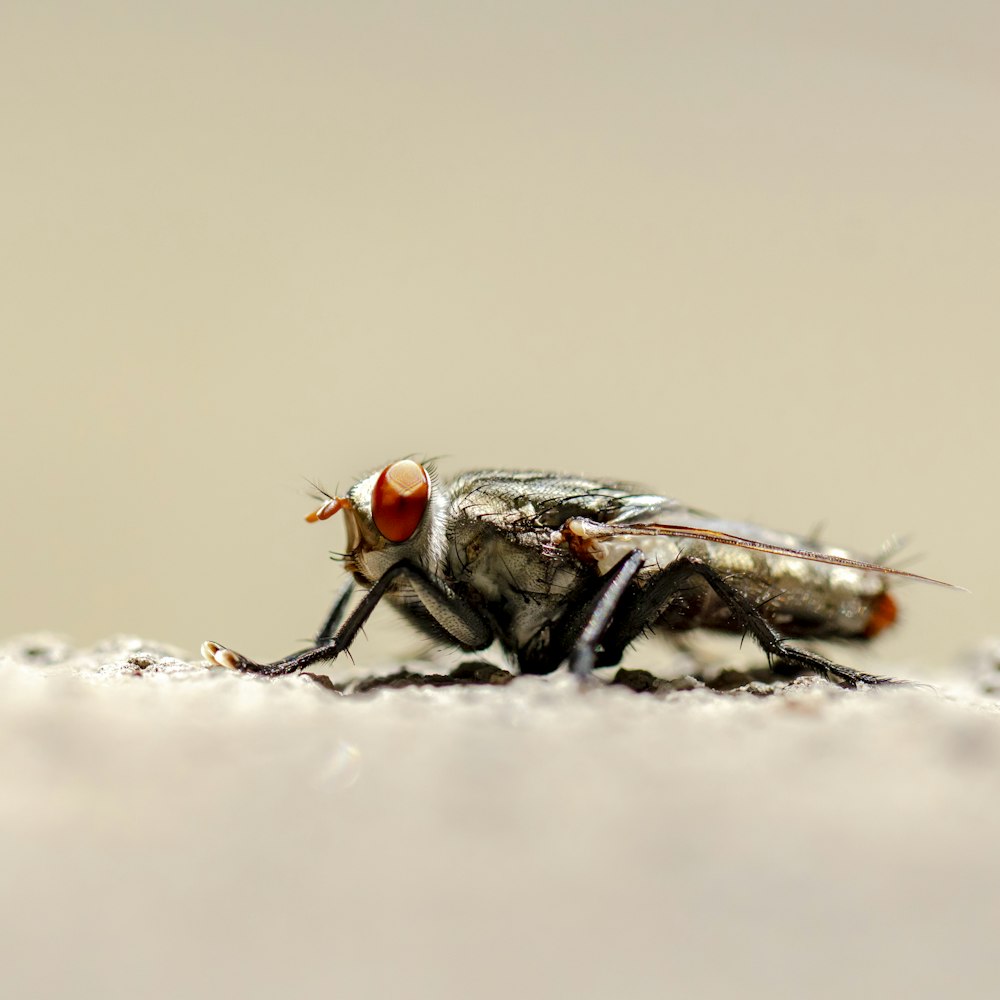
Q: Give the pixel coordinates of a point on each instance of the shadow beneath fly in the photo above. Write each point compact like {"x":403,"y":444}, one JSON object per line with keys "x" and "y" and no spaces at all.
{"x":761,"y":681}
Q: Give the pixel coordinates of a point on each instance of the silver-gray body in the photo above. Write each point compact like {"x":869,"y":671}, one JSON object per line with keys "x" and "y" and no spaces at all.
{"x":506,"y":555}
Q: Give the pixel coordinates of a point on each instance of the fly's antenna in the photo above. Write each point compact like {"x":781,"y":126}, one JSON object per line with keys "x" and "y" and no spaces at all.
{"x":318,"y":493}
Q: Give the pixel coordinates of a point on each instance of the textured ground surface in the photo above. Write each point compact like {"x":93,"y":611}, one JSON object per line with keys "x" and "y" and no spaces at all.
{"x":166,"y":829}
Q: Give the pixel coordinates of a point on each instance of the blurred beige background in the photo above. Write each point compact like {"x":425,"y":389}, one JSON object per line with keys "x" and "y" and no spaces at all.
{"x":747,"y":256}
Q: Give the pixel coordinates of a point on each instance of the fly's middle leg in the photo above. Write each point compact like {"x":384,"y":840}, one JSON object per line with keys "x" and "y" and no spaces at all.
{"x":647,"y":606}
{"x":579,"y":635}
{"x":332,"y":621}
{"x":600,"y":611}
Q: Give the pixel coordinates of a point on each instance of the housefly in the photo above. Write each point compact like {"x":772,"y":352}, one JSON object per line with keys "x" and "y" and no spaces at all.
{"x":560,"y":569}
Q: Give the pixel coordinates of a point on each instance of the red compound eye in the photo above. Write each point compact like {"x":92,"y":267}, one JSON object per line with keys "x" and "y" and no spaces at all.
{"x":400,"y":499}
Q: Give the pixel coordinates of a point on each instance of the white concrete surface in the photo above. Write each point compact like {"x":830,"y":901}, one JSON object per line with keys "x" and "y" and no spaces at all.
{"x":169,"y":830}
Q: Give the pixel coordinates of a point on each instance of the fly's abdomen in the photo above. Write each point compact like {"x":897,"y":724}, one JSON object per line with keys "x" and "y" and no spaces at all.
{"x":800,"y":597}
{"x":824,"y":610}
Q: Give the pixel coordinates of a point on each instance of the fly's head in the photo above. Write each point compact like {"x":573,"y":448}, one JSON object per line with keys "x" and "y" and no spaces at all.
{"x":396,"y":513}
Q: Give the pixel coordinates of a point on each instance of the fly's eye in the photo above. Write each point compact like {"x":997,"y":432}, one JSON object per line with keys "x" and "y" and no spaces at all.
{"x":400,"y":499}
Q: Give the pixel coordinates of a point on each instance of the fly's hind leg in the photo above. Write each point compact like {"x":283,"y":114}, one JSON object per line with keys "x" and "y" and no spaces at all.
{"x":654,"y":597}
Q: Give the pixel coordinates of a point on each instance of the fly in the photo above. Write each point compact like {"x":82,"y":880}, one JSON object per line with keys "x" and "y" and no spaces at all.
{"x":560,"y":569}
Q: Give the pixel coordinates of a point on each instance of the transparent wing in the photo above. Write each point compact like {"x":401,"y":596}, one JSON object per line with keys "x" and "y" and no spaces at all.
{"x":593,"y":529}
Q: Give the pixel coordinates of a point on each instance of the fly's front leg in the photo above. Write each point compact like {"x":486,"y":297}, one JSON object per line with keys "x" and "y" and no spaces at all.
{"x":658,"y":593}
{"x":223,"y":657}
{"x":455,"y":617}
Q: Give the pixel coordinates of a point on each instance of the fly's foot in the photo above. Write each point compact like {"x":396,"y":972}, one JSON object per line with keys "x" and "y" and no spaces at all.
{"x":581,"y":669}
{"x":220,"y":656}
{"x":814,"y":663}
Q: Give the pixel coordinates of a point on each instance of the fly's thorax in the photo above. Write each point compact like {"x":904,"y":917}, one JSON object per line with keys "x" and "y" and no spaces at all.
{"x":370,"y":552}
{"x":523,"y":580}
{"x":493,"y":561}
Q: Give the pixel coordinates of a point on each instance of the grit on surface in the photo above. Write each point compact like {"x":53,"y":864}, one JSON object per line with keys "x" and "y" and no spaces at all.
{"x":169,"y":829}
